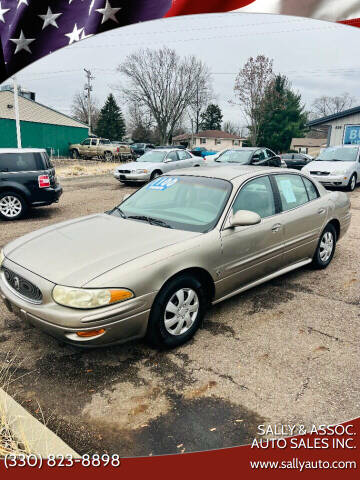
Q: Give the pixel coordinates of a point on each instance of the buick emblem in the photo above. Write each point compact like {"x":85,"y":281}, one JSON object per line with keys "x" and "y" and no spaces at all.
{"x":16,"y":283}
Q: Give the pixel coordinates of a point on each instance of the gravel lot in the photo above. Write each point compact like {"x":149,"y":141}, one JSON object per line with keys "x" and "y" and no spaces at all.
{"x":286,"y":352}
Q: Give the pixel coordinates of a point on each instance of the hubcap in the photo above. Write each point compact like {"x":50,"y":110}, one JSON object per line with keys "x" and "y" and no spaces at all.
{"x":181,"y":311}
{"x":353,"y":183}
{"x":108,"y":157}
{"x":10,"y":206}
{"x":326,"y":246}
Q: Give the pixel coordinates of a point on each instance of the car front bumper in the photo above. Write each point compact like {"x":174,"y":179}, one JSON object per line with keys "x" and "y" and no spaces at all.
{"x":332,"y":180}
{"x":132,"y":177}
{"x":122,"y":322}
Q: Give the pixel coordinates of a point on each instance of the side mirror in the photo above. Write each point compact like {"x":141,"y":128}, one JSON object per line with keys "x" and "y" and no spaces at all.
{"x":244,"y":218}
{"x":125,"y":197}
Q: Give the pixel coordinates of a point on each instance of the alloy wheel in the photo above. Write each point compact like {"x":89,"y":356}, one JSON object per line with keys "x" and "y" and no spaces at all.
{"x":326,"y":246}
{"x":10,"y":206}
{"x":181,"y":311}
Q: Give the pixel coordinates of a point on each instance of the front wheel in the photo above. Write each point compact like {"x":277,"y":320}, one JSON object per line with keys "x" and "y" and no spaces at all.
{"x":177,"y":312}
{"x":326,"y":248}
{"x":108,"y":157}
{"x":352,"y":183}
{"x":155,"y":175}
{"x":12,"y":206}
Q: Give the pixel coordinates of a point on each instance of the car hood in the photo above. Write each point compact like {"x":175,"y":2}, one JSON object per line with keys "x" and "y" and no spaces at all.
{"x":323,"y":166}
{"x":140,"y":166}
{"x":75,"y":252}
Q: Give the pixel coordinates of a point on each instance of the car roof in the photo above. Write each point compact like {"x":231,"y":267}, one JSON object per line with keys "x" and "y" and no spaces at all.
{"x":22,"y":150}
{"x":227,"y":172}
{"x":166,"y":149}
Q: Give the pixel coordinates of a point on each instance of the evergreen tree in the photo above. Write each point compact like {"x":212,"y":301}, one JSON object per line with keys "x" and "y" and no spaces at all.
{"x":211,"y":119}
{"x":283,"y":117}
{"x":111,"y":122}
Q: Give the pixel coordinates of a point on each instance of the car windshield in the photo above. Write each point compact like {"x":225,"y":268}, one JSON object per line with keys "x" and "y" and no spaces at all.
{"x":339,"y":154}
{"x":138,"y":145}
{"x":235,"y":156}
{"x":184,"y":202}
{"x":153,"y":156}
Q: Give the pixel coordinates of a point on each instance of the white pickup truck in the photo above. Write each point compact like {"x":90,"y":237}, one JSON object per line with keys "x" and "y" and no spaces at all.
{"x":101,"y":148}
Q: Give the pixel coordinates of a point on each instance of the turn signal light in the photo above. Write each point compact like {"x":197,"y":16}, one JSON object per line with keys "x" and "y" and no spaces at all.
{"x":90,"y":333}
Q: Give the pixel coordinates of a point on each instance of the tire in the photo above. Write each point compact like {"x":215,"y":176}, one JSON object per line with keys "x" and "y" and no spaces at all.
{"x":322,"y":258}
{"x":155,"y":174}
{"x":108,"y":156}
{"x":164,"y":335}
{"x":12,"y":206}
{"x":352,"y":183}
{"x":75,"y":154}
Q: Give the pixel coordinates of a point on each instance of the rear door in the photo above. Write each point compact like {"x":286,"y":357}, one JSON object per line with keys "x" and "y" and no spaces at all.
{"x":303,"y":216}
{"x":187,"y":160}
{"x":253,"y":252}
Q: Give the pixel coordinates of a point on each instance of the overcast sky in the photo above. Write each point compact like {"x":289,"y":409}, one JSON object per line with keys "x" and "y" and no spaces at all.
{"x":318,"y":57}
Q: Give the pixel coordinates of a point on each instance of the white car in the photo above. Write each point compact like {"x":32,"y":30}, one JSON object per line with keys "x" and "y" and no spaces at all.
{"x":154,"y":163}
{"x":336,"y":167}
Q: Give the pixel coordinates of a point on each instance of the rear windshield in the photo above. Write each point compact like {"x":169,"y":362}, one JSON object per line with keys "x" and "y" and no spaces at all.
{"x":23,"y":162}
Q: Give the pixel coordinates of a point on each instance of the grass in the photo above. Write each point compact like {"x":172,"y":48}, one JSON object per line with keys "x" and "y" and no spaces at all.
{"x":9,"y":443}
{"x":68,"y":168}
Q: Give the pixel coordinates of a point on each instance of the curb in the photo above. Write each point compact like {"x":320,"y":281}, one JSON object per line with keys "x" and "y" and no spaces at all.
{"x":38,"y":439}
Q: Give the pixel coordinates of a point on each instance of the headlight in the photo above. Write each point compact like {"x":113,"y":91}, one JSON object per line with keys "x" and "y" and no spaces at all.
{"x":2,"y":256}
{"x":89,"y":298}
{"x":340,"y":172}
{"x":140,"y":171}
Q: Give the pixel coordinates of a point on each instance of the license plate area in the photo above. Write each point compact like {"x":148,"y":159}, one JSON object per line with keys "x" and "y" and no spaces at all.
{"x":122,"y":177}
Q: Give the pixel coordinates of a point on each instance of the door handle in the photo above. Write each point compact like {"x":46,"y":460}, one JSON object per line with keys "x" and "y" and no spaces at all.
{"x":276,"y":227}
{"x":321,"y":211}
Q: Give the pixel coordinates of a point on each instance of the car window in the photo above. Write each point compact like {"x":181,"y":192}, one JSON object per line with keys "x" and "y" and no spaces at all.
{"x":183,"y":155}
{"x":339,"y":154}
{"x":269,"y":153}
{"x":104,"y":142}
{"x":94,"y":142}
{"x":22,"y":162}
{"x":292,"y":191}
{"x":256,"y":196}
{"x":86,"y":142}
{"x":311,"y":189}
{"x":172,"y":156}
{"x":258,"y":156}
{"x":287,"y":156}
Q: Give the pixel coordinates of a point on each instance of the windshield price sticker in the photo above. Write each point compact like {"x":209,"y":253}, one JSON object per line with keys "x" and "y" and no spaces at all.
{"x":162,"y":183}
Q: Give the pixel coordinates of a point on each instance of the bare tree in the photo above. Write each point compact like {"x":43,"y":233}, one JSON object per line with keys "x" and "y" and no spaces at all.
{"x":324,"y":106}
{"x":203,"y":96}
{"x":250,"y":87}
{"x":79,"y":109}
{"x":164,"y":84}
{"x":234,"y":128}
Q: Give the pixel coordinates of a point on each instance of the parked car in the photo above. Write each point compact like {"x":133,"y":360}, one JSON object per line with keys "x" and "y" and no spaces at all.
{"x":296,"y":160}
{"x":192,"y":239}
{"x":202,"y":152}
{"x":336,"y":167}
{"x":27,"y":179}
{"x":154,"y":163}
{"x":96,"y":147}
{"x":138,"y":149}
{"x":247,"y":156}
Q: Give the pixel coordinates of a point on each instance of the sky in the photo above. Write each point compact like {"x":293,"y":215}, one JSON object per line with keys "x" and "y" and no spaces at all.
{"x":318,"y":57}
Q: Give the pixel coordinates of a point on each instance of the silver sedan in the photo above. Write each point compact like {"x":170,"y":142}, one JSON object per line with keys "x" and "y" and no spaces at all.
{"x":154,"y":163}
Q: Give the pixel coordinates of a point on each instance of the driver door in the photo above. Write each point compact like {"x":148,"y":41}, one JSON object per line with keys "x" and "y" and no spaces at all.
{"x":172,"y":161}
{"x":259,"y":158}
{"x":253,"y":252}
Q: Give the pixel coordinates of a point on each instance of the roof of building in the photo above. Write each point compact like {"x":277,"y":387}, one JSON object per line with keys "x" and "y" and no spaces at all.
{"x":31,"y":111}
{"x":309,"y":142}
{"x":209,"y":134}
{"x":335,"y":116}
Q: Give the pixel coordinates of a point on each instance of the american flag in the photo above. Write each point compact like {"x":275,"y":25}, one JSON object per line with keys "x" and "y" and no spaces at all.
{"x":31,"y":29}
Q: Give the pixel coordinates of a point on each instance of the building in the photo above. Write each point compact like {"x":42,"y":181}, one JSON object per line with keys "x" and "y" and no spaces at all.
{"x":310,"y":146}
{"x":210,"y":139}
{"x":343,"y":128}
{"x":41,"y":126}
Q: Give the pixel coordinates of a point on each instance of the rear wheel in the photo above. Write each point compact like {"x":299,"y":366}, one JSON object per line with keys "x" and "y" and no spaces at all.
{"x":177,"y":312}
{"x":12,"y":206}
{"x":75,"y":154}
{"x":352,"y":183}
{"x":326,"y":248}
{"x":108,"y":157}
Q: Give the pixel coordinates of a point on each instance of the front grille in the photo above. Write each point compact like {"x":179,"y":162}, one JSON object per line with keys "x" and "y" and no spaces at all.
{"x":320,"y":173}
{"x":22,"y":286}
{"x":124,"y":171}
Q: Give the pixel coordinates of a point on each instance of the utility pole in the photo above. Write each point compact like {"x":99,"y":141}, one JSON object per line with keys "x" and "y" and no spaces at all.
{"x":17,"y":115}
{"x":88,"y":88}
